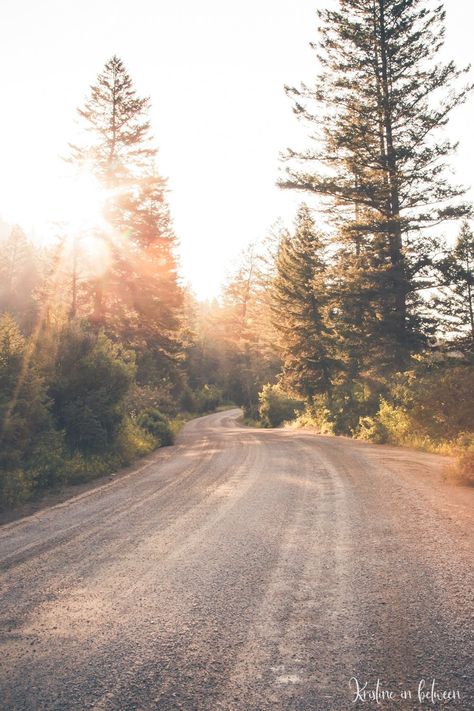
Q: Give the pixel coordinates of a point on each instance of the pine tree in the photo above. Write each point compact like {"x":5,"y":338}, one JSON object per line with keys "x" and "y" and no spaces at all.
{"x":138,"y":299}
{"x":300,"y":311}
{"x":116,"y":149}
{"x":145,"y":309}
{"x":456,"y":300}
{"x":18,"y":277}
{"x":115,"y":118}
{"x":378,"y":162}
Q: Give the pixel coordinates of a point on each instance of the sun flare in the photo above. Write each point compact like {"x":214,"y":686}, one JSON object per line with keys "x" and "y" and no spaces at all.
{"x":81,"y":202}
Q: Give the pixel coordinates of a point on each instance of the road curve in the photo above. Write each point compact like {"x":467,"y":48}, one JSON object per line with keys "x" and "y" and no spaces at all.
{"x":244,"y":570}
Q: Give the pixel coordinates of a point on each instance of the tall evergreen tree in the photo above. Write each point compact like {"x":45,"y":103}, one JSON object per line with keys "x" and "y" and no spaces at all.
{"x":251,"y":357}
{"x":379,"y":163}
{"x":19,"y":277}
{"x":138,"y":299}
{"x":116,"y":120}
{"x":300,"y":311}
{"x":456,"y":300}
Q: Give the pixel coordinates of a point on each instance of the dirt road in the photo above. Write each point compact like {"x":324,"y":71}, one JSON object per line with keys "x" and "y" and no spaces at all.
{"x":244,"y":570}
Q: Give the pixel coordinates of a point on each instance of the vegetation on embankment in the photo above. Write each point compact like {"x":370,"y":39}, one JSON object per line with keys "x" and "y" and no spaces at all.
{"x":73,"y":411}
{"x":429,"y":407}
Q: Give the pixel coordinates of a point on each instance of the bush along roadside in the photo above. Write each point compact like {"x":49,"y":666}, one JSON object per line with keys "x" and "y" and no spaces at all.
{"x":427,"y":408}
{"x":71,"y":410}
{"x":276,"y":407}
{"x":64,"y":418}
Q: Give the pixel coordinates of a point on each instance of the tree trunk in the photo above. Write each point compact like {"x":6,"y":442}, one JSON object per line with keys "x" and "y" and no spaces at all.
{"x":400,"y":282}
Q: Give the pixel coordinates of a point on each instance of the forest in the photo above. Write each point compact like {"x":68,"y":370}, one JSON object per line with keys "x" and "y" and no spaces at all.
{"x":358,"y":320}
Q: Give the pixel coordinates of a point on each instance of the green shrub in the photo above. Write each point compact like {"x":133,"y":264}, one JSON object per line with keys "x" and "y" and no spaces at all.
{"x":276,"y":406}
{"x":187,"y":400}
{"x":30,"y":449}
{"x":141,"y":397}
{"x":90,"y":383}
{"x":316,"y":416}
{"x":16,"y":486}
{"x":372,"y":430}
{"x":352,"y":401}
{"x":80,"y":468}
{"x":390,"y":424}
{"x":427,"y":408}
{"x":437,"y":401}
{"x":208,"y":398}
{"x":251,"y":413}
{"x":464,"y":467}
{"x":132,"y":442}
{"x":157,"y":425}
{"x":46,"y":458}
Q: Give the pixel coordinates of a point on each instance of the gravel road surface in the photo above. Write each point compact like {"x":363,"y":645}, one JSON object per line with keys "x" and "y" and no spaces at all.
{"x":245,"y":570}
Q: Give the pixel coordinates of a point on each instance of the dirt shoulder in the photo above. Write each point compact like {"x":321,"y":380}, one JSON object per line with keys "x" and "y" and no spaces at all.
{"x":426,"y":474}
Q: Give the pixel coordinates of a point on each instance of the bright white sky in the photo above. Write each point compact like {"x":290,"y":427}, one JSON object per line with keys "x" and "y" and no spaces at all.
{"x":215,"y":72}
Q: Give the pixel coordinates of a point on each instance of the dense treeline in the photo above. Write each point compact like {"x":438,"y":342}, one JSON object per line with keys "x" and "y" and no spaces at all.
{"x":234,"y":348}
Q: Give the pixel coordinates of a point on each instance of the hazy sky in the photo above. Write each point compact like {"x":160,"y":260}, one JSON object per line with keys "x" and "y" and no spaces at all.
{"x":215,"y":72}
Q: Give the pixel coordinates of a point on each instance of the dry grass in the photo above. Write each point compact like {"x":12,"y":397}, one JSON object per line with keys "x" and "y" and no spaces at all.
{"x":462,"y":471}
